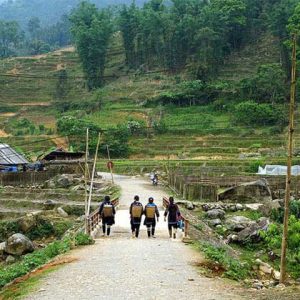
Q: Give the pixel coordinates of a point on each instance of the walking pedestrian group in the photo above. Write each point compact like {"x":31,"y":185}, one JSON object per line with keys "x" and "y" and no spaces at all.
{"x":107,"y":212}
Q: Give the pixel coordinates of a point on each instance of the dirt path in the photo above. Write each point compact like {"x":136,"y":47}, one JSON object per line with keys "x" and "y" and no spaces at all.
{"x":123,"y":268}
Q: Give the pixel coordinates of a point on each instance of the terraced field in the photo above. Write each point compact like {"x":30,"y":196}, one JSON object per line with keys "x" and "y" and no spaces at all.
{"x":16,"y":202}
{"x":27,"y":91}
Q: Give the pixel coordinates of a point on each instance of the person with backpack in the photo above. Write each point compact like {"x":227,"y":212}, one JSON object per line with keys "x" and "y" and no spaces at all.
{"x":136,"y":212}
{"x":173,"y":214}
{"x":151,"y":215}
{"x":107,"y":212}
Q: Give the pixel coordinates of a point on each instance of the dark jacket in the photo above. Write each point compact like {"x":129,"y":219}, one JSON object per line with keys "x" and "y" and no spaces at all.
{"x":107,"y":220}
{"x":173,"y":213}
{"x":151,"y":221}
{"x":136,"y":220}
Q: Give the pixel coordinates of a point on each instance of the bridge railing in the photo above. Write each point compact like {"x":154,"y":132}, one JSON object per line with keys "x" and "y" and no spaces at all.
{"x":94,"y":218}
{"x":184,"y":219}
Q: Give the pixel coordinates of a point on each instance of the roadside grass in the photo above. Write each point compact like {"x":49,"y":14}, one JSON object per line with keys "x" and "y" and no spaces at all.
{"x":233,"y":268}
{"x":20,"y":290}
{"x":39,"y":258}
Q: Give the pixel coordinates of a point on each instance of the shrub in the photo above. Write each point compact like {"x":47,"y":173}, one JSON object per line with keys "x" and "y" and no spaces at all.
{"x":160,"y":127}
{"x":253,"y":166}
{"x":251,"y":113}
{"x":268,"y":85}
{"x":294,"y":209}
{"x":273,"y":238}
{"x":117,"y":141}
{"x":82,"y":239}
{"x":136,"y":127}
{"x":69,"y":125}
{"x":44,"y":229}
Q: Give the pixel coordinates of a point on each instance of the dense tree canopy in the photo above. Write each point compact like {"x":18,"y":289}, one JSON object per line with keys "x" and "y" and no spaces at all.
{"x":10,"y":36}
{"x":91,"y":29}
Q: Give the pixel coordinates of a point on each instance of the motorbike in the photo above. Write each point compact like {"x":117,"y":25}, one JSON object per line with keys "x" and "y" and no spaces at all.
{"x":154,"y":179}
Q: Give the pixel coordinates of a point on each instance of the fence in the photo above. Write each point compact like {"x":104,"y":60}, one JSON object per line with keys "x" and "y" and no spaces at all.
{"x":204,"y":186}
{"x":26,"y":178}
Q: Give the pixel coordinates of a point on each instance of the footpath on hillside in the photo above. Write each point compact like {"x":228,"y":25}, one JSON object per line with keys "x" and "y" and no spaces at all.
{"x":120,"y":267}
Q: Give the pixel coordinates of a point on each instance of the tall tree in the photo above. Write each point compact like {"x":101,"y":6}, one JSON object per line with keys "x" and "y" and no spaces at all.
{"x":91,"y":29}
{"x":10,"y":36}
{"x":129,"y":23}
{"x":34,"y":26}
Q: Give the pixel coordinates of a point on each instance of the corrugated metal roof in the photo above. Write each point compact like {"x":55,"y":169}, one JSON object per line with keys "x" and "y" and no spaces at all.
{"x":9,"y":156}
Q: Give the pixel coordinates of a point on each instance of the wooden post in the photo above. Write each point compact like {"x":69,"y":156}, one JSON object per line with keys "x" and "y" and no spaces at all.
{"x":289,"y":167}
{"x":93,"y":174}
{"x":186,"y":227}
{"x":110,"y":168}
{"x":85,"y":182}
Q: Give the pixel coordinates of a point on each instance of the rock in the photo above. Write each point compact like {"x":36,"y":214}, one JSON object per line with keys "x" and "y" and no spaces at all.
{"x":62,"y":213}
{"x":64,"y":181}
{"x":10,"y":259}
{"x":239,"y":207}
{"x":18,"y":244}
{"x":26,"y":223}
{"x":264,"y":267}
{"x":214,"y":222}
{"x":81,"y":218}
{"x":2,"y":248}
{"x":215,"y":213}
{"x":233,"y":208}
{"x":238,"y":223}
{"x":276,"y":275}
{"x":253,"y":206}
{"x":251,"y":192}
{"x":49,"y":205}
{"x":189,"y":205}
{"x":267,"y":208}
{"x":205,"y":207}
{"x":258,"y":285}
{"x":79,"y":187}
{"x":251,"y":232}
{"x":232,"y":238}
{"x":280,"y":286}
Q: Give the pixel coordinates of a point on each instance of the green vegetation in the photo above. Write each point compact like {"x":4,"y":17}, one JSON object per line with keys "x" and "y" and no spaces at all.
{"x":82,"y":239}
{"x":38,"y":258}
{"x":23,"y":288}
{"x":32,"y":261}
{"x":273,"y":237}
{"x":91,"y":30}
{"x":234,"y":269}
{"x":197,"y":107}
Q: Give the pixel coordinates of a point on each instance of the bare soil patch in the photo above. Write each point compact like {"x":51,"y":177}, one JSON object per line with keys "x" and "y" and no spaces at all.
{"x":3,"y":134}
{"x":31,"y":104}
{"x":8,"y":114}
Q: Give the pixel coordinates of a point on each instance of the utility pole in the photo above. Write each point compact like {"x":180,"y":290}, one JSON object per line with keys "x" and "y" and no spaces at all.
{"x":289,"y":166}
{"x":86,"y":166}
{"x":110,"y":165}
{"x":93,"y":175}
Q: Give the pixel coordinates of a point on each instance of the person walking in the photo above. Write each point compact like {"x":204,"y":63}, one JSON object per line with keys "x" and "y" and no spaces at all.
{"x":136,"y":212}
{"x":107,"y":212}
{"x":173,"y":214}
{"x":151,"y":216}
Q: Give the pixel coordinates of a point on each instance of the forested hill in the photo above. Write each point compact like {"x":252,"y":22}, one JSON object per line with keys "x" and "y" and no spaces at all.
{"x":48,"y":11}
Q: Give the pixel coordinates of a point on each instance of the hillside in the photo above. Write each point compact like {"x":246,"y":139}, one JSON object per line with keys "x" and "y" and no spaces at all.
{"x":28,"y":85}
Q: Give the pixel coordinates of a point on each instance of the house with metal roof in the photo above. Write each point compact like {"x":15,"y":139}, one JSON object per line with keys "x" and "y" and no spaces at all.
{"x":10,"y":157}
